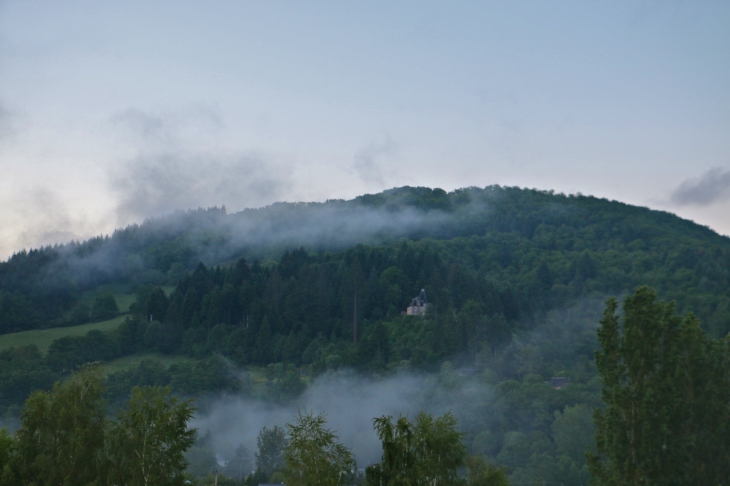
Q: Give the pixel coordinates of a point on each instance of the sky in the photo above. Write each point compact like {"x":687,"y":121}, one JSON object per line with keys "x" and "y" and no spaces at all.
{"x":112,"y":112}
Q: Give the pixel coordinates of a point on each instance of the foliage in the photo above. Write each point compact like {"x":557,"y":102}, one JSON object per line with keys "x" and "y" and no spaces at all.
{"x":7,"y":448}
{"x":149,"y":437}
{"x":482,"y":472}
{"x":65,"y":437}
{"x":22,"y":370}
{"x":104,"y":307}
{"x":201,"y":457}
{"x":271,"y":443}
{"x":218,"y":480}
{"x":543,"y":249}
{"x":313,"y":456}
{"x":61,"y":436}
{"x":69,"y":353}
{"x":197,"y":378}
{"x":239,"y":466}
{"x":512,"y":277}
{"x":427,"y":452}
{"x":667,"y":395}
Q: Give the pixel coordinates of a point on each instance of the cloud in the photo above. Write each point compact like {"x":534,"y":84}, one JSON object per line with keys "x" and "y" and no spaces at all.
{"x":366,"y":163}
{"x":158,"y":184}
{"x":6,"y":122}
{"x":142,"y":124}
{"x":167,"y":174}
{"x":351,"y":402}
{"x":712,"y":186}
{"x":38,"y":217}
{"x":166,"y":128}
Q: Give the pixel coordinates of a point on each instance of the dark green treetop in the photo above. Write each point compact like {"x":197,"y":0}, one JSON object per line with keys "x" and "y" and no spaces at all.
{"x":314,"y":456}
{"x":429,"y":451}
{"x":667,"y":395}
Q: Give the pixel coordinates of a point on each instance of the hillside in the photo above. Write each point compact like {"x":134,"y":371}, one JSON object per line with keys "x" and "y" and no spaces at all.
{"x":511,"y":231}
{"x":263,"y":305}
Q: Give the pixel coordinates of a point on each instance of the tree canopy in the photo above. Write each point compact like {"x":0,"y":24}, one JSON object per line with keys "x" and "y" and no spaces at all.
{"x":313,"y":455}
{"x":66,"y":438}
{"x":425,"y":452}
{"x":667,"y":393}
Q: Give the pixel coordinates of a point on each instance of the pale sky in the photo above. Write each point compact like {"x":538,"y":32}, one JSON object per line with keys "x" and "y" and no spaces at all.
{"x":111,"y":112}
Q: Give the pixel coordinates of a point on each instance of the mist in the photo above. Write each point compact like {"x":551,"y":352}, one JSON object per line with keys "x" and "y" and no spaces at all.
{"x":563,"y":339}
{"x":350,"y":402}
{"x":153,"y":185}
{"x":168,"y":173}
{"x":214,"y":237}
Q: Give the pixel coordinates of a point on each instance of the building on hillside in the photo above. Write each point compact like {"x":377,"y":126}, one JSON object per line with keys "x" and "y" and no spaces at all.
{"x":418,"y":305}
{"x":558,"y":382}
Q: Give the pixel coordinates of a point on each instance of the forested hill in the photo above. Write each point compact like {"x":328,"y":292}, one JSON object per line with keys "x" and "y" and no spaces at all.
{"x":529,"y":250}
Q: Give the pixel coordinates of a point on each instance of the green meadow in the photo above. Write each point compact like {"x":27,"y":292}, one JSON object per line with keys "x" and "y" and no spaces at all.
{"x":44,"y":337}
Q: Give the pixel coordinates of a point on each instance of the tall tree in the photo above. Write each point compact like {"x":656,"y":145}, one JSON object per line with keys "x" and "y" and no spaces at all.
{"x":61,"y":435}
{"x":667,"y":395}
{"x":7,"y":447}
{"x":314,"y":456}
{"x":271,"y":443}
{"x":427,"y":452}
{"x":149,"y":438}
{"x":239,"y":466}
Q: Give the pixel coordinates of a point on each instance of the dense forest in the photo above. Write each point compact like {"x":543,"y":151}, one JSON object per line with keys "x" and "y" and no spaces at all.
{"x":508,"y":233}
{"x":515,"y":281}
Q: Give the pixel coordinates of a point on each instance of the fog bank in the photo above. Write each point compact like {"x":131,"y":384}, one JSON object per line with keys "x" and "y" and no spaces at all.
{"x":350,"y":402}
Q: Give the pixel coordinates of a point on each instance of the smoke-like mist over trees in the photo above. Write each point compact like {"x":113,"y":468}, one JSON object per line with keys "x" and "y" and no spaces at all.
{"x":351,"y":401}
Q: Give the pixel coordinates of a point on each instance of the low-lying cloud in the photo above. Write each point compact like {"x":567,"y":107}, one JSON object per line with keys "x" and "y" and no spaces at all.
{"x":37,"y":217}
{"x":6,"y":122}
{"x":710,"y":187}
{"x":158,"y":184}
{"x":350,"y":402}
{"x":165,"y":129}
{"x":167,"y":174}
{"x":366,"y":162}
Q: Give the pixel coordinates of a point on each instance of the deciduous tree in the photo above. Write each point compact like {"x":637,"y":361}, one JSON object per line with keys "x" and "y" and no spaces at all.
{"x":149,"y":438}
{"x":427,"y":452}
{"x":667,"y":394}
{"x":61,"y":435}
{"x":314,"y":456}
{"x":270,"y":455}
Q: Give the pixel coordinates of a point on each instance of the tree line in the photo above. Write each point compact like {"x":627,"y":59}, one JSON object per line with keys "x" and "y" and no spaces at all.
{"x":67,"y":437}
{"x":24,"y":370}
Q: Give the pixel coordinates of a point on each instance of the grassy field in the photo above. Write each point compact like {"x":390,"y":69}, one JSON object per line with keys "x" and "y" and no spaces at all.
{"x":44,"y":337}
